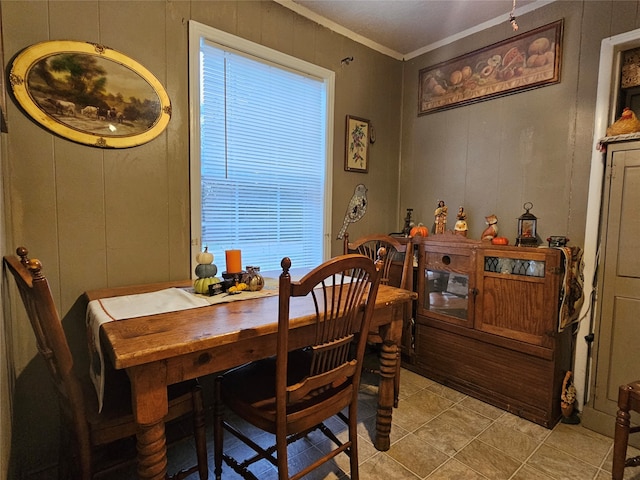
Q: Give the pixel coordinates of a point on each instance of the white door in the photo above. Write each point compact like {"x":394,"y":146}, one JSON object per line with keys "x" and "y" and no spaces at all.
{"x":617,"y":333}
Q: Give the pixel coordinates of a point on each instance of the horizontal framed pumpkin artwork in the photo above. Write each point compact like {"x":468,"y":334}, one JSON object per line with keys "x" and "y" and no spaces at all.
{"x":520,"y":63}
{"x":89,"y":93}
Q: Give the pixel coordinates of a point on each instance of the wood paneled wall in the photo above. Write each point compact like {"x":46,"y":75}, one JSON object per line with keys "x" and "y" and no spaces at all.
{"x":99,"y":218}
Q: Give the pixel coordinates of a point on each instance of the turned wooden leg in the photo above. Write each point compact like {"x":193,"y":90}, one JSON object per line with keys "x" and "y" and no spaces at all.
{"x":621,"y":437}
{"x":396,"y":380}
{"x":386,"y":394}
{"x":150,"y":406}
{"x":152,"y":451}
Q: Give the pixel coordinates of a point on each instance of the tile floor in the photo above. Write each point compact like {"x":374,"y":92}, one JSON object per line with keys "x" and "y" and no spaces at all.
{"x":441,"y":434}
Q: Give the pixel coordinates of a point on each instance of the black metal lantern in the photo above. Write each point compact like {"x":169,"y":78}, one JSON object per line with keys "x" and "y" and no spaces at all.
{"x":527,"y":228}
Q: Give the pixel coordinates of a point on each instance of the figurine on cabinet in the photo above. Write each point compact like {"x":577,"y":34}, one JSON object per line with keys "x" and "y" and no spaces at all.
{"x":627,"y":123}
{"x":441,"y":217}
{"x":492,"y":230}
{"x":461,"y":227}
{"x":408,"y":223}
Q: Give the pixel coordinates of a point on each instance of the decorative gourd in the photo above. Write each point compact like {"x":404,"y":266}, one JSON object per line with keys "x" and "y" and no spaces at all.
{"x":205,"y":257}
{"x":500,"y":241}
{"x":419,"y":229}
{"x":201,"y":285}
{"x":241,"y":287}
{"x":204,"y":270}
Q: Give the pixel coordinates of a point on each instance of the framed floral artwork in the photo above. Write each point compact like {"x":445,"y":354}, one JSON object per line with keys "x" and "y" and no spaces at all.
{"x":89,"y":93}
{"x":357,"y":145}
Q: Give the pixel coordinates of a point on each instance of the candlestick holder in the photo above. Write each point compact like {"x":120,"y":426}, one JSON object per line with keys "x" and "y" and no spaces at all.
{"x":235,"y":277}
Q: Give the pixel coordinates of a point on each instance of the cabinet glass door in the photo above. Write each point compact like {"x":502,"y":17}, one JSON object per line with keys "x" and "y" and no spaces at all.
{"x":446,"y":284}
{"x":446,"y":293}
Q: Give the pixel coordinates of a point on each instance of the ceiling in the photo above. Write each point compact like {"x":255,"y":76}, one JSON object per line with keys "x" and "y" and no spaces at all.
{"x":404,"y":29}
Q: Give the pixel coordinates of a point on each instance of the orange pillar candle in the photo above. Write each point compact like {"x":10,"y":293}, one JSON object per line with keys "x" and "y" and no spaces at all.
{"x":234,"y":261}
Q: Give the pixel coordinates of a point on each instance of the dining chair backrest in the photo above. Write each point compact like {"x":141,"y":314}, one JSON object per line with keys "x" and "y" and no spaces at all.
{"x":47,"y":327}
{"x":343,"y":291}
{"x":390,"y":251}
{"x":313,"y":377}
{"x":50,"y":338}
{"x":394,"y":252}
{"x":76,"y":396}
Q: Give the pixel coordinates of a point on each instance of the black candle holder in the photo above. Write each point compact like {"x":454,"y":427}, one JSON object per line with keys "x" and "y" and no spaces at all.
{"x":235,"y":277}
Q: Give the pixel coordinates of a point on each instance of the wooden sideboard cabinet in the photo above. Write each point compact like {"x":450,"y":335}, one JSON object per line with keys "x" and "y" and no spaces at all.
{"x":487,"y":324}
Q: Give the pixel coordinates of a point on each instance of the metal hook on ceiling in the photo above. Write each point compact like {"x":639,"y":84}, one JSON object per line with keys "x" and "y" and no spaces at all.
{"x":512,"y":17}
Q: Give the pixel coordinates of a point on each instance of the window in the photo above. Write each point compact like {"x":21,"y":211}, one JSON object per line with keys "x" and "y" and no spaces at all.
{"x":260,"y":152}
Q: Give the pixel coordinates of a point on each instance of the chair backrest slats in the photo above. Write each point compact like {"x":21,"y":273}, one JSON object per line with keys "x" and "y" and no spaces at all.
{"x":394,"y":251}
{"x":343,"y":292}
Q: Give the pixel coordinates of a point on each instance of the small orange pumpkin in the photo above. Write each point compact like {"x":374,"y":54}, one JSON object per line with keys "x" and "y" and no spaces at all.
{"x":419,"y":229}
{"x":500,"y":241}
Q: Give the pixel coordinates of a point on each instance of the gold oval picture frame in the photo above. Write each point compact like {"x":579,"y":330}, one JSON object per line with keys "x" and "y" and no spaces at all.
{"x":89,"y":93}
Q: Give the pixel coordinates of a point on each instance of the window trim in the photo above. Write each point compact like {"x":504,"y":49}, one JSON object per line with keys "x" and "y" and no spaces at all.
{"x":196,"y":32}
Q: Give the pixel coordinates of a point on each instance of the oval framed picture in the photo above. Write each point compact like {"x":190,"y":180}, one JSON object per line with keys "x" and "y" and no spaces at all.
{"x":90,"y":94}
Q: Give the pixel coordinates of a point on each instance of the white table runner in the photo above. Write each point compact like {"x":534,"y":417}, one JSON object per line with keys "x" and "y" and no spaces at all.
{"x":143,"y":304}
{"x":129,"y":306}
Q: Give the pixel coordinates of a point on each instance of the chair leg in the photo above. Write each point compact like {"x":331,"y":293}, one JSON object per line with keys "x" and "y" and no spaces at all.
{"x":621,"y":437}
{"x":218,"y":430}
{"x":64,"y":464}
{"x":281,"y":452}
{"x":353,"y":438}
{"x":84,"y":457}
{"x":200,"y":433}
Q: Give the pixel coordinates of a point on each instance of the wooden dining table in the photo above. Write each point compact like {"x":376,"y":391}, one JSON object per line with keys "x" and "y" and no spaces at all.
{"x":167,"y":348}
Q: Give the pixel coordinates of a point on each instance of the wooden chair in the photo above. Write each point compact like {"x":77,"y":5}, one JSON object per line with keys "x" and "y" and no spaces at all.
{"x":393,"y":252}
{"x":291,"y":394}
{"x":628,"y":400}
{"x":83,"y":426}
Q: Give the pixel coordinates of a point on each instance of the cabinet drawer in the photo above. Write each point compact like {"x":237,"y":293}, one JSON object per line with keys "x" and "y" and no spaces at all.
{"x":448,"y":262}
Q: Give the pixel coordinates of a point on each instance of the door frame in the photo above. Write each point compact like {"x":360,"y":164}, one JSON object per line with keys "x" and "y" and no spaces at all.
{"x":608,"y":77}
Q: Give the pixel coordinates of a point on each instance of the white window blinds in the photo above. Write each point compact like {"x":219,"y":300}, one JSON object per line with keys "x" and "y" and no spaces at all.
{"x":263,"y":160}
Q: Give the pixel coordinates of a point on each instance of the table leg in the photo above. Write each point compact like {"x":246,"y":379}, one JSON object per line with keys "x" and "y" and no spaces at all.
{"x":150,"y":406}
{"x":388,"y":359}
{"x":391,"y":336}
{"x":152,"y":451}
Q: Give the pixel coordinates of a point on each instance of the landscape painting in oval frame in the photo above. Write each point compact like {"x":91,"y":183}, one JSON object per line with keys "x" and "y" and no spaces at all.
{"x":90,"y":94}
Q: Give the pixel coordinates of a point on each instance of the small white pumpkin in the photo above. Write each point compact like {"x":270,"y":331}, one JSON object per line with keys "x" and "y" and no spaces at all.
{"x":204,"y":257}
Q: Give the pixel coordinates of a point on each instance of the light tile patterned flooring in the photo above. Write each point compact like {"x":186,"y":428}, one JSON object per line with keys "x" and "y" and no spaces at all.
{"x":441,"y":434}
